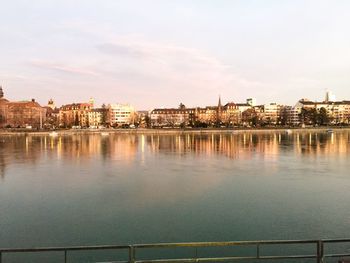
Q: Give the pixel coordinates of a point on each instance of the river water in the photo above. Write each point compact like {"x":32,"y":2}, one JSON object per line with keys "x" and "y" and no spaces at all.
{"x":128,"y":189}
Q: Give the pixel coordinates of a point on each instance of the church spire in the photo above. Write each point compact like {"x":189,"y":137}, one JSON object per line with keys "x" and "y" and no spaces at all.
{"x":219,"y":104}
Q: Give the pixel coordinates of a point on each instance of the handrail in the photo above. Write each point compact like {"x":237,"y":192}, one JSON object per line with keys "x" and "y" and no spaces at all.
{"x":227,"y":243}
{"x":319,"y":252}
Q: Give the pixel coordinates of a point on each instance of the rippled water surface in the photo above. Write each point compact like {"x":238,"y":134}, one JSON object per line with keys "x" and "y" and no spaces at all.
{"x":121,"y":189}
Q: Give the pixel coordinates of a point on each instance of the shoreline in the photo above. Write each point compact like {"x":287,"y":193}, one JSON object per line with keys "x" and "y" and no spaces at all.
{"x":171,"y":131}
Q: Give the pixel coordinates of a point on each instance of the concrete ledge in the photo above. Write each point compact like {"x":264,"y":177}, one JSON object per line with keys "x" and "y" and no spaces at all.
{"x":169,"y":131}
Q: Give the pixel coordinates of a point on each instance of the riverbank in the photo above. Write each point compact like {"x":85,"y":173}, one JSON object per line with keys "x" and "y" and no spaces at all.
{"x":170,"y":131}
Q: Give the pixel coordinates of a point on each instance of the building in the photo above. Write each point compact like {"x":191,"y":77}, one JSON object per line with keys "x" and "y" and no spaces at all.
{"x":341,"y":112}
{"x":21,"y":114}
{"x":76,"y":114}
{"x":51,"y":104}
{"x":84,"y":115}
{"x":231,"y":114}
{"x":330,"y":97}
{"x":98,"y":117}
{"x":52,"y":115}
{"x":251,"y":102}
{"x":271,"y":113}
{"x":309,"y":112}
{"x":3,"y":103}
{"x":3,"y":107}
{"x":228,"y":114}
{"x":121,"y":114}
{"x":172,"y":117}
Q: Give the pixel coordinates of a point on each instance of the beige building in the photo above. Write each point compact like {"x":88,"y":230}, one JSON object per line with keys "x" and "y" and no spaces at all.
{"x":98,"y":117}
{"x":172,"y":117}
{"x":271,"y":113}
{"x":76,"y":114}
{"x":211,"y":115}
{"x":337,"y":111}
{"x":121,"y":114}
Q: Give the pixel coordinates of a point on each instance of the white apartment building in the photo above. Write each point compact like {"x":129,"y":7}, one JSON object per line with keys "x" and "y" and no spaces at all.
{"x":272,"y":112}
{"x":120,"y":114}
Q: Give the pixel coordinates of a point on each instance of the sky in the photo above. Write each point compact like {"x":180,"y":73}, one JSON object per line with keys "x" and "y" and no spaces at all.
{"x":158,"y":53}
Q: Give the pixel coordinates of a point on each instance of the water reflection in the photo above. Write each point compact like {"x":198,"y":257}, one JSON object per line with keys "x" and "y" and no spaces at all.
{"x":130,"y":148}
{"x":120,"y":189}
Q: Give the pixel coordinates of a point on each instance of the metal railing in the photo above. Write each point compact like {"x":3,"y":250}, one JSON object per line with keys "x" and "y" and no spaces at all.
{"x":319,"y":248}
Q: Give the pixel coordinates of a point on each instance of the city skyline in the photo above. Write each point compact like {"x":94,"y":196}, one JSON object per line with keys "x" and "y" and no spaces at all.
{"x":150,"y":53}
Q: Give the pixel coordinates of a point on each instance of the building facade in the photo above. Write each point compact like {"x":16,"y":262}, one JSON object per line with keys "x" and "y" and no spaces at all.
{"x":308,"y":112}
{"x":74,"y":115}
{"x":121,"y":114}
{"x":172,"y":117}
{"x":98,"y":117}
{"x":21,"y":114}
{"x":228,"y":114}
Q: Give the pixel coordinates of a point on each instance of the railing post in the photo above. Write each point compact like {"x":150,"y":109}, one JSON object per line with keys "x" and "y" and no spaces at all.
{"x":320,"y":251}
{"x":65,"y":256}
{"x":258,"y":251}
{"x":131,"y":254}
{"x":0,"y":257}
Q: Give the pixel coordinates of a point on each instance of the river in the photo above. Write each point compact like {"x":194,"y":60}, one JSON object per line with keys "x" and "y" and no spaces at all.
{"x":92,"y":189}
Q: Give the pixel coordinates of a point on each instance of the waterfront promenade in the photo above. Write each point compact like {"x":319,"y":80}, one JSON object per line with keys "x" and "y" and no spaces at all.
{"x":172,"y":131}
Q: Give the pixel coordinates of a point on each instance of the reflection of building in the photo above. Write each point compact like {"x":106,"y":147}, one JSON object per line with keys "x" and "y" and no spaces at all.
{"x":21,"y":114}
{"x":120,"y":114}
{"x":239,"y":146}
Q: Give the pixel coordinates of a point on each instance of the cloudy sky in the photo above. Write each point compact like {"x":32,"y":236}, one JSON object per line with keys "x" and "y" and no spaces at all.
{"x":163,"y":52}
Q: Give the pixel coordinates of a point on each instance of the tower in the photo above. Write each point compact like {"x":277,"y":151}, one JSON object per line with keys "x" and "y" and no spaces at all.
{"x":219,"y":111}
{"x":1,"y":92}
{"x":92,"y":102}
{"x":330,"y":97}
{"x":251,"y":102}
{"x":51,"y":104}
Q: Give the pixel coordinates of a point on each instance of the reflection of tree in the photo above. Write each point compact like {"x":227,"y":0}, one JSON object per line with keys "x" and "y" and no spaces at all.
{"x":84,"y":148}
{"x":2,"y":166}
{"x":2,"y":119}
{"x":246,"y":145}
